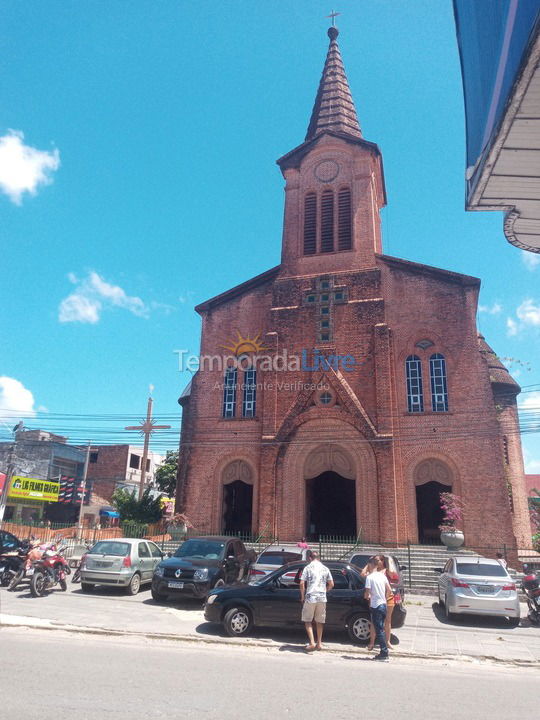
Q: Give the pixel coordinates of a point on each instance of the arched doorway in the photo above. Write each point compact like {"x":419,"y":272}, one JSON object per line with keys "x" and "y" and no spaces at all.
{"x":237,"y":510}
{"x":330,"y":505}
{"x":432,"y":477}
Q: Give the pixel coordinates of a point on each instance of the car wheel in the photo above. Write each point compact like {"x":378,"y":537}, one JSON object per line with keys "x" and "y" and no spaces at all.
{"x":358,"y":628}
{"x":449,"y":615}
{"x":134,"y":585}
{"x":87,"y":587}
{"x":441,"y":603}
{"x":158,"y":597}
{"x":514,"y":621}
{"x":219,"y":583}
{"x":237,"y":621}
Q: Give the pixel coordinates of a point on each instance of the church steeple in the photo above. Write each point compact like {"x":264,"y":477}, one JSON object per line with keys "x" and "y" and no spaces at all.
{"x":334,"y":108}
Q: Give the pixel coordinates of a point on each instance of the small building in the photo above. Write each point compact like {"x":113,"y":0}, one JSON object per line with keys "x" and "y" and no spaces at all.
{"x":119,"y":466}
{"x":42,"y":455}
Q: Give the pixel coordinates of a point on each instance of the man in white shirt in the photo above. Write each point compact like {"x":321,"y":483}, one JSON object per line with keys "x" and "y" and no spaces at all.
{"x":376,"y":591}
{"x":315,"y":581}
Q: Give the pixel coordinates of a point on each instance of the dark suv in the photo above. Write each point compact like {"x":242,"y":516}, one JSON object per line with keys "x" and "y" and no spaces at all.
{"x":200,"y":564}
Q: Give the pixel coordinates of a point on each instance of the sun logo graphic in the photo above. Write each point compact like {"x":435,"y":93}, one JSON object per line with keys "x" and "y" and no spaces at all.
{"x":243,"y":345}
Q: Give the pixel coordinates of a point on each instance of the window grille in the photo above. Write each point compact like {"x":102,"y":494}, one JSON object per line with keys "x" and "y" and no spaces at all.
{"x":439,"y":390}
{"x":415,"y":395}
{"x":250,"y":394}
{"x":229,"y":393}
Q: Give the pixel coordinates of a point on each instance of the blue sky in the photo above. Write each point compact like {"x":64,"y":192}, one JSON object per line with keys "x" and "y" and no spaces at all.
{"x":139,"y":143}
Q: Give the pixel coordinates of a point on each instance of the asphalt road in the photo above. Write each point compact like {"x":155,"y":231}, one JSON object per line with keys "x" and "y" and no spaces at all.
{"x":60,"y":675}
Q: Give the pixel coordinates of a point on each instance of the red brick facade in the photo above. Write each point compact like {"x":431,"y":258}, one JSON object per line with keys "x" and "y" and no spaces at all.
{"x":306,"y":458}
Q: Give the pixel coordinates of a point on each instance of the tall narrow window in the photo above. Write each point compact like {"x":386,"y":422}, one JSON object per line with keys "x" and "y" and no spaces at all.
{"x":415,"y":394}
{"x":250,"y":394}
{"x":310,"y":224}
{"x":344,"y":220}
{"x":229,"y":393}
{"x":439,"y":391}
{"x":327,"y":221}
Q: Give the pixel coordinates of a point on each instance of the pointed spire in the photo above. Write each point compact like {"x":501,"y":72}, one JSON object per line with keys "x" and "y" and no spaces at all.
{"x":334,"y":108}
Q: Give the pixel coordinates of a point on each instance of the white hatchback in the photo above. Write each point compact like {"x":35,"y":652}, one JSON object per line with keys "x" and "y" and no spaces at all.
{"x":477,"y":586}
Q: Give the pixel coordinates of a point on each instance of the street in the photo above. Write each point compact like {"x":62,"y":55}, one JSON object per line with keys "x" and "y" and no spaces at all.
{"x":140,"y":678}
{"x":426,"y":633}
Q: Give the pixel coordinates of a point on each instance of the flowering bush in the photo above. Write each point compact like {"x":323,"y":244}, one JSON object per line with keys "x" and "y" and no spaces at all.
{"x":452,"y":507}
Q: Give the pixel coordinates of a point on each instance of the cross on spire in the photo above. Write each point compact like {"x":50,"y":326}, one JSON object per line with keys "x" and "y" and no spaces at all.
{"x":333,"y":15}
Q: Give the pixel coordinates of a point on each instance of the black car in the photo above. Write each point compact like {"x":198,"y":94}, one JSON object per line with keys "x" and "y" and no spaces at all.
{"x":273,"y":601}
{"x":201,"y":564}
{"x":8,"y":542}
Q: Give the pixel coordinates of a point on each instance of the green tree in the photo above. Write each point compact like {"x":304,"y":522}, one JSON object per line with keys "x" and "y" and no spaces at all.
{"x":131,"y":509}
{"x":166,"y":473}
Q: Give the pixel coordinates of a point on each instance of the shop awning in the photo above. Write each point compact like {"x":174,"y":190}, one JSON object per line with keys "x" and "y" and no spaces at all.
{"x":109,"y":513}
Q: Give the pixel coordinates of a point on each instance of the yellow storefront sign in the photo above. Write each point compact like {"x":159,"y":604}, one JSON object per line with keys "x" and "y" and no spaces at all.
{"x":24,"y":488}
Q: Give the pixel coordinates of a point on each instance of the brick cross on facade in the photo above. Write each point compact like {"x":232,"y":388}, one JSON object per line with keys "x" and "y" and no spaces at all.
{"x":325,"y":295}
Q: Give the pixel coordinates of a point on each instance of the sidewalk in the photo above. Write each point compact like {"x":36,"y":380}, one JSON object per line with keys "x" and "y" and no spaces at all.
{"x":426,"y":634}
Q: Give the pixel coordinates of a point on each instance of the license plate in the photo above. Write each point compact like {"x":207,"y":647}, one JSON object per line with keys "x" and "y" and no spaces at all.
{"x":485,"y":589}
{"x":102,"y":564}
{"x":177,"y":585}
{"x":30,"y":571}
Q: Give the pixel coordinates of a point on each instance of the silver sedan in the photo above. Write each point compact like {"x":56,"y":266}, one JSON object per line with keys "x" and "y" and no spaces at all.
{"x":120,"y":561}
{"x":477,"y":586}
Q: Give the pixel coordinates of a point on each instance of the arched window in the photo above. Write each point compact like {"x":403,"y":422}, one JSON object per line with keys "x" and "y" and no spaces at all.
{"x":229,"y":393}
{"x":439,"y":390}
{"x":415,"y":394}
{"x":310,"y":224}
{"x":250,"y":394}
{"x":344,"y":220}
{"x":327,"y":221}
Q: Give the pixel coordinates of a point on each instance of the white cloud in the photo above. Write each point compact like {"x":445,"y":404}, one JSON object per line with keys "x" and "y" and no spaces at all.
{"x":495,"y":309}
{"x":529,"y":313}
{"x":530,"y":260}
{"x":24,"y":168}
{"x":15,"y":398}
{"x":92,"y":295}
{"x":511,"y":327}
{"x":529,"y":401}
{"x":532,"y":467}
{"x":79,"y":308}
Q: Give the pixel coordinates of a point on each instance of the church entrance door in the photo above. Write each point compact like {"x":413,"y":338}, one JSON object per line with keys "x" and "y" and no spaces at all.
{"x":330,"y":506}
{"x":428,"y":510}
{"x":237,"y":507}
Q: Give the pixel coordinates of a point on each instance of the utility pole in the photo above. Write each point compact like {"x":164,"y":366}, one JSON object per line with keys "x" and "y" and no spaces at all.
{"x":9,"y":473}
{"x":85,"y":473}
{"x":146,"y":428}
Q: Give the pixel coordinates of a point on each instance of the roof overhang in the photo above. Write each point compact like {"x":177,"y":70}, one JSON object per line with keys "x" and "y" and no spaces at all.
{"x":507,"y":174}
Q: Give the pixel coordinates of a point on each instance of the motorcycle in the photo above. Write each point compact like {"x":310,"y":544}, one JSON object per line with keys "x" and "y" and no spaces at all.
{"x":77,"y":573}
{"x":48,"y":571}
{"x":11,"y":562}
{"x":531,"y":588}
{"x":19,"y":563}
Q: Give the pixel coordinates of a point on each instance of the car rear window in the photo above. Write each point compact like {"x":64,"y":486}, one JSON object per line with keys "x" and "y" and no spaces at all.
{"x":360,"y":560}
{"x":108,"y":547}
{"x":278,"y":558}
{"x":481,"y":569}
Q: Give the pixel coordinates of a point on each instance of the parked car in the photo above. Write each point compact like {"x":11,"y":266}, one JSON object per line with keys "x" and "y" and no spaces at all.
{"x":275,"y":556}
{"x":8,"y":542}
{"x":126,"y":562}
{"x":479,"y":586}
{"x":272,"y":601}
{"x":396,"y":578}
{"x":201,"y":564}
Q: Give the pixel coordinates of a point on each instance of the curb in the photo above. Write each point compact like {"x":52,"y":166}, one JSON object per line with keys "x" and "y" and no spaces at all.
{"x":42,"y":624}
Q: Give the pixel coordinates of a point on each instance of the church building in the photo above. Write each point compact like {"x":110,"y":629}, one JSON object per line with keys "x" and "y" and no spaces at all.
{"x":341,"y":391}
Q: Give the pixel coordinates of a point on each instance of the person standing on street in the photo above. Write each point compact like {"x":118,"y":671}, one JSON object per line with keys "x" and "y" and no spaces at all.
{"x":315,"y":582}
{"x":377,"y":590}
